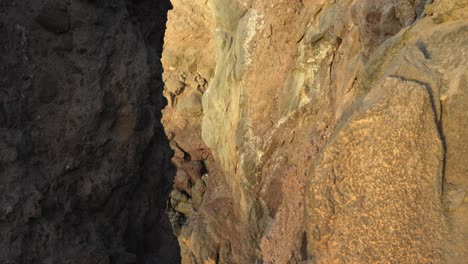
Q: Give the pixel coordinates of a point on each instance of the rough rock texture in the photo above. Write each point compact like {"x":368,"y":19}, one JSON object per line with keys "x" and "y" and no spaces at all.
{"x":293,"y":131}
{"x":329,"y":132}
{"x":85,"y":165}
{"x":374,"y":193}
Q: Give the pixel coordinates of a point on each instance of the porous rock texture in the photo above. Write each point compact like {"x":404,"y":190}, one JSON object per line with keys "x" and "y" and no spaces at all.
{"x":318,"y":131}
{"x":85,"y":165}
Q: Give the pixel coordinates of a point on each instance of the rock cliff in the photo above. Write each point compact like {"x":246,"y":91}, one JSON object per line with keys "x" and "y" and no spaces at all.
{"x":85,"y":165}
{"x":233,"y":131}
{"x":318,"y":131}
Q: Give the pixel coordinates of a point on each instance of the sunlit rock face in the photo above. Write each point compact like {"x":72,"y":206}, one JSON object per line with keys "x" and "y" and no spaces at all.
{"x":318,"y":131}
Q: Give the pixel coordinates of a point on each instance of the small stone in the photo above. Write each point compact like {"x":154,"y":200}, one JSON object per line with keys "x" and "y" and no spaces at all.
{"x":184,"y":208}
{"x":190,"y":105}
{"x":175,"y":86}
{"x":179,"y":196}
{"x":54,"y":17}
{"x":200,"y":80}
{"x":197,"y":192}
{"x":181,"y":180}
{"x":194,"y":169}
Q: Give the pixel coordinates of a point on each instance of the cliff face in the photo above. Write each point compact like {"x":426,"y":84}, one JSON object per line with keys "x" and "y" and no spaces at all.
{"x":282,"y":131}
{"x":318,"y":131}
{"x":85,"y":165}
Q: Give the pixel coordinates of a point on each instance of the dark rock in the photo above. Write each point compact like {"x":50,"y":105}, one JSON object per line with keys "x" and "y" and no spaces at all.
{"x":7,"y":153}
{"x":3,"y":116}
{"x":70,"y":192}
{"x":54,"y":17}
{"x":47,"y":88}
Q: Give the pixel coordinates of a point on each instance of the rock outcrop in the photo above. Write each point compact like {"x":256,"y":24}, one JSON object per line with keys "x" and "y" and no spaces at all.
{"x":318,"y":131}
{"x":85,"y":165}
{"x":281,"y":131}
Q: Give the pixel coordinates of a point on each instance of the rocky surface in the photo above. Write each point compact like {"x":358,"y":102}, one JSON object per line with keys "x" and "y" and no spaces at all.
{"x":328,"y":131}
{"x":293,"y":131}
{"x":85,"y":165}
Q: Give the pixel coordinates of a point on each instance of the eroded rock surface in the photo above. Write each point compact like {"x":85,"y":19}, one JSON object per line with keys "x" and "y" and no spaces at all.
{"x":374,"y":193}
{"x":293,"y":131}
{"x":330,"y":131}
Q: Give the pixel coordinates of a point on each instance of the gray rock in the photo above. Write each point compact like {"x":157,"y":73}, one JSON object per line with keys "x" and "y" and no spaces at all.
{"x":70,"y":191}
{"x":54,"y":16}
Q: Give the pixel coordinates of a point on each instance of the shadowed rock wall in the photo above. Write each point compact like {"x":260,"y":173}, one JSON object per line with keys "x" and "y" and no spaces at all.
{"x":85,"y":165}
